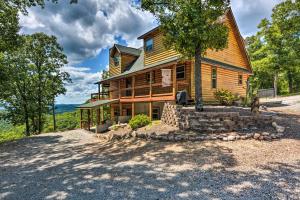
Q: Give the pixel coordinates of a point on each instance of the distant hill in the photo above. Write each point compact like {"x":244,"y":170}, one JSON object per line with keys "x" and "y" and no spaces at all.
{"x":59,"y":108}
{"x":62,"y":108}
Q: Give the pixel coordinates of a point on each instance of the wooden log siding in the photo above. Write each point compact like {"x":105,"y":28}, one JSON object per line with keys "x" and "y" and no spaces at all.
{"x":226,"y":79}
{"x":234,"y":54}
{"x":113,"y":69}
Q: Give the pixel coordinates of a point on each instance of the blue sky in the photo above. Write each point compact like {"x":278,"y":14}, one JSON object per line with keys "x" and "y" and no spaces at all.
{"x":88,"y":29}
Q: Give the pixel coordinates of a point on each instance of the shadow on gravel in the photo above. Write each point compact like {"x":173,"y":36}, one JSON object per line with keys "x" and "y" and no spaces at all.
{"x":53,"y":168}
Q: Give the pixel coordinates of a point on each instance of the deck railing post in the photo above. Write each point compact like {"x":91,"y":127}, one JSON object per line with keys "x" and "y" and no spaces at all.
{"x":81,"y":118}
{"x":150,"y":83}
{"x":174,"y":81}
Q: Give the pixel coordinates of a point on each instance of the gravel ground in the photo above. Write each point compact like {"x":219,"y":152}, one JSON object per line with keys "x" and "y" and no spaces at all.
{"x":77,"y":165}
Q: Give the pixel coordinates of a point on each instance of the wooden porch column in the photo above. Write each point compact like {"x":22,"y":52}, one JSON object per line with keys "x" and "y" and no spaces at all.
{"x":132,"y":109}
{"x":174,"y":81}
{"x":92,"y":118}
{"x":81,"y":118}
{"x":133,"y":87}
{"x":150,"y":82}
{"x":120,"y":108}
{"x":89,"y":119}
{"x":97,"y":119}
{"x":112,"y":113}
{"x":150,"y":110}
{"x":119,"y":88}
{"x":99,"y":91}
{"x":102,"y":114}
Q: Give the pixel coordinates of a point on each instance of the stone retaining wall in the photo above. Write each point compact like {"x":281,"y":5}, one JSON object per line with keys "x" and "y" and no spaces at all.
{"x":211,"y":122}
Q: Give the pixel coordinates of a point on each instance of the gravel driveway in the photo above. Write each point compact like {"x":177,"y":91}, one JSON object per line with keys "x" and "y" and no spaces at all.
{"x":76,"y":165}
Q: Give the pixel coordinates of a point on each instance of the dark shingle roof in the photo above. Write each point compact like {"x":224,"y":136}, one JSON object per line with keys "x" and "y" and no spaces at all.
{"x":128,"y":50}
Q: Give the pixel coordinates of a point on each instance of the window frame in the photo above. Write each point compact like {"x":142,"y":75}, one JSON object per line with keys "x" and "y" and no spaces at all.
{"x":148,"y":77}
{"x":184,"y":72}
{"x":152,"y":46}
{"x":240,"y":79}
{"x":118,"y":58}
{"x":214,"y":68}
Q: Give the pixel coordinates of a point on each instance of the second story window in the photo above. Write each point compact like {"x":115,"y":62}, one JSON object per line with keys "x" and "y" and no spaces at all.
{"x":214,"y":77}
{"x":149,"y":45}
{"x":240,"y":79}
{"x":180,"y":72}
{"x":116,"y":60}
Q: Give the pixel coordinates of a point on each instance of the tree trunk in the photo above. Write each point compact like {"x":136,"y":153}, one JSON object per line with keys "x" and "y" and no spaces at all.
{"x":26,"y":118}
{"x":53,"y":115}
{"x":275,"y":83}
{"x":290,"y":80}
{"x":198,"y":80}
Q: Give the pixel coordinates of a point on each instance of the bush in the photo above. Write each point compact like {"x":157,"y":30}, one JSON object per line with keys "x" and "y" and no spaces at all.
{"x":225,"y":97}
{"x":139,"y":121}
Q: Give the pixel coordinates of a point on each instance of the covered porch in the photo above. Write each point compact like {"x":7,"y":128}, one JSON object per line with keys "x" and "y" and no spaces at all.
{"x":87,"y":111}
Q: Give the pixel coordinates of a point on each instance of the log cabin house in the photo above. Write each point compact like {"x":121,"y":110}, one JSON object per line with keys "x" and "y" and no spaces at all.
{"x":135,"y":83}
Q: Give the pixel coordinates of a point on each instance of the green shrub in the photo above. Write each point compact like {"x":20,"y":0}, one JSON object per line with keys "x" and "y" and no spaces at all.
{"x":13,"y":133}
{"x":225,"y":97}
{"x":139,"y":121}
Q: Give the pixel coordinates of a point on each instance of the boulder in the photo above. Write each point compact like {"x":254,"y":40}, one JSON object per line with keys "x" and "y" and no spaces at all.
{"x":256,"y":136}
{"x":265,"y":134}
{"x":231,"y":137}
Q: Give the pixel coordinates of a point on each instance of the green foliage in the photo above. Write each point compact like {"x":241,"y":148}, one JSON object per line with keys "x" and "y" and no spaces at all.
{"x":225,"y":97}
{"x":139,"y":121}
{"x":8,"y":132}
{"x":65,"y":121}
{"x":275,"y":49}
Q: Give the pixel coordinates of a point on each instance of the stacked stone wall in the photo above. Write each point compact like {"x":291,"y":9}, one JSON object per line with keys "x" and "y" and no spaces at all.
{"x":189,"y":120}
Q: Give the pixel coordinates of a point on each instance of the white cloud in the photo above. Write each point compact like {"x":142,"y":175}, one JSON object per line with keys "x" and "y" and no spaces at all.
{"x":249,"y":13}
{"x":86,"y":28}
{"x":82,"y":85}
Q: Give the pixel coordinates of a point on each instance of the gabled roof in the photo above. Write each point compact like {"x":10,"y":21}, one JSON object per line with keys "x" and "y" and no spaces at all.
{"x":127,"y":50}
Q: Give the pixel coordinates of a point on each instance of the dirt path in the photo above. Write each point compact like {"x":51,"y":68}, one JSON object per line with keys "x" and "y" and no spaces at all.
{"x":76,"y":165}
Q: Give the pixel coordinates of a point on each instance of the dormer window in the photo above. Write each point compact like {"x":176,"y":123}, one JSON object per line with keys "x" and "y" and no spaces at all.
{"x":149,"y":45}
{"x":116,"y":59}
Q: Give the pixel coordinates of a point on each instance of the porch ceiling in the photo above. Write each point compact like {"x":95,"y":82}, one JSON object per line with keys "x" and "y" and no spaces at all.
{"x":95,"y":104}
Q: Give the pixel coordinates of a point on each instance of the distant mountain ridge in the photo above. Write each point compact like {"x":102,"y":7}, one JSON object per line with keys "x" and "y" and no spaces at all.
{"x":62,"y":108}
{"x":59,"y":108}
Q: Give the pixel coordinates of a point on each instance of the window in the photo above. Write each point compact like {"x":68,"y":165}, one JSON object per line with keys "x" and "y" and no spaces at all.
{"x":240,"y":79}
{"x":149,"y":45}
{"x":156,"y":113}
{"x":116,"y":59}
{"x":180,"y":72}
{"x":214,"y":77}
{"x":148,"y":77}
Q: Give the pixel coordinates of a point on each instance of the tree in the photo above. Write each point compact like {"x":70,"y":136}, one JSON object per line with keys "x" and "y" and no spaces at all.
{"x":275,"y":49}
{"x":57,"y":81}
{"x":192,"y":27}
{"x":46,"y":57}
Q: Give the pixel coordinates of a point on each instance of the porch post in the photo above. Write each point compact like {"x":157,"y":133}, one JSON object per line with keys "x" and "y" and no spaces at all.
{"x":92,"y":118}
{"x":120,"y":107}
{"x":81,"y":118}
{"x":174,"y":82}
{"x":150,"y":110}
{"x":102,"y":114}
{"x":97,"y":119}
{"x":133,"y":87}
{"x":119,"y":88}
{"x":150,"y":82}
{"x":89,"y":119}
{"x":132,"y":109}
{"x":112,"y":112}
{"x":99,"y":91}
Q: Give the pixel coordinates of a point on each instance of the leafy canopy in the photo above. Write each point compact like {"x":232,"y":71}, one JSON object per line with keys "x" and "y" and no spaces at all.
{"x":191,"y":24}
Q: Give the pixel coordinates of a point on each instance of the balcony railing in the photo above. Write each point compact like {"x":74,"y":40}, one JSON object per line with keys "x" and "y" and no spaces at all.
{"x":99,"y":96}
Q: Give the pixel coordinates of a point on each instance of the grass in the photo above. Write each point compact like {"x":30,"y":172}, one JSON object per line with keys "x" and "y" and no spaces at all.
{"x":12,"y":134}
